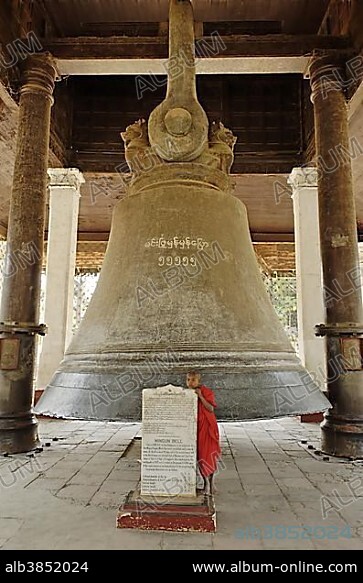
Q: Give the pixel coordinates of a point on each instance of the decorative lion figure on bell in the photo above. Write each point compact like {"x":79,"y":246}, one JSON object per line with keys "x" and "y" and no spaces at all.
{"x":139,"y":154}
{"x":221,"y":145}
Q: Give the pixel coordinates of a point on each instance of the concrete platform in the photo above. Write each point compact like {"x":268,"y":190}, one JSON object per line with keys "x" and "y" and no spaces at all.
{"x":274,"y":491}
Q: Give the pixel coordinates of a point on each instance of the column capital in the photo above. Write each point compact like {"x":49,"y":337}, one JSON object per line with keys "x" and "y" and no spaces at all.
{"x":306,"y":177}
{"x":39,"y":75}
{"x":65,"y":178}
{"x":327,"y":73}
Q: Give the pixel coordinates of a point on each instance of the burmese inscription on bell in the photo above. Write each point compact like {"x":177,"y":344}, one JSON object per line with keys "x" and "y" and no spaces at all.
{"x":169,"y":439}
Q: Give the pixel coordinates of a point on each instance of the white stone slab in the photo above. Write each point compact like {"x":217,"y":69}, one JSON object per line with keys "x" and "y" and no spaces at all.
{"x":169,"y":442}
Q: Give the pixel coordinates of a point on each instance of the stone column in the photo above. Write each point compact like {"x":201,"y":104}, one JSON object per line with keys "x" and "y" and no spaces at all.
{"x":342,"y":428}
{"x":309,"y":282}
{"x":64,"y":194}
{"x":23,"y":261}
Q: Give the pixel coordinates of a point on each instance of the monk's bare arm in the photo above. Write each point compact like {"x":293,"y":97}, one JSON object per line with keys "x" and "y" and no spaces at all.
{"x":207,"y":405}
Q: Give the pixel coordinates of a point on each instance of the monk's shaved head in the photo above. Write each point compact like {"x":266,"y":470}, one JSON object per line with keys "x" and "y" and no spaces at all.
{"x":194,"y":373}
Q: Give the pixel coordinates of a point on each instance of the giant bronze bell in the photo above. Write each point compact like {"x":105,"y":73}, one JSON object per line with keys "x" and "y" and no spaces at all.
{"x":180,"y":286}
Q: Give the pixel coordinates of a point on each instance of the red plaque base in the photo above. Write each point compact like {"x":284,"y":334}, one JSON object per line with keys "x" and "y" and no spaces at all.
{"x":312,"y":418}
{"x":178,"y":513}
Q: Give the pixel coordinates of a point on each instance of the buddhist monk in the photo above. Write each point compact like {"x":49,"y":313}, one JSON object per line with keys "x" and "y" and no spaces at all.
{"x":208,"y":447}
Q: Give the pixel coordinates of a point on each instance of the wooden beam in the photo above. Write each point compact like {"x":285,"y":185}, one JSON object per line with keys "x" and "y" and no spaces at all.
{"x":204,"y":66}
{"x":93,"y":236}
{"x":120,"y":47}
{"x":272,"y":237}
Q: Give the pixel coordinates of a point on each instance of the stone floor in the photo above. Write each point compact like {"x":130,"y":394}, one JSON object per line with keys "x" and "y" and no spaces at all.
{"x":275,"y":491}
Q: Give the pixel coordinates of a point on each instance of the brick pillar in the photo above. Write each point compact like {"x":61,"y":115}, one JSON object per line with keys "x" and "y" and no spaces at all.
{"x":23,"y":262}
{"x":342,"y":428}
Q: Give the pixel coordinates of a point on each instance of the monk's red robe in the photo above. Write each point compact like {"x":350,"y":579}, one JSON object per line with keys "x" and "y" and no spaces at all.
{"x":208,"y":447}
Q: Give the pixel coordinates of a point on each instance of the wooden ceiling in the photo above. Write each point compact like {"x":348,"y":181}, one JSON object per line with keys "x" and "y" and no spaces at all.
{"x":264,"y":111}
{"x":84,"y":17}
